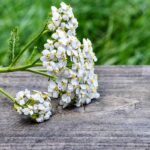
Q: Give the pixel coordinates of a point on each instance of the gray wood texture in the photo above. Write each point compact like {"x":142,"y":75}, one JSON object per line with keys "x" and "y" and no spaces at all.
{"x":118,"y":120}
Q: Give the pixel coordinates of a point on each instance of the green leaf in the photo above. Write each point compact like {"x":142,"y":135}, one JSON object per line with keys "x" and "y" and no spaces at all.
{"x":13,"y":43}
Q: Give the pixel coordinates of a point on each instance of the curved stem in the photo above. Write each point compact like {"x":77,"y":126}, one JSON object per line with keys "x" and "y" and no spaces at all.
{"x":8,"y":69}
{"x":10,"y":97}
{"x":27,"y":68}
{"x":38,"y":64}
{"x":7,"y":95}
{"x":41,"y":70}
{"x":27,"y":46}
{"x":40,"y":73}
{"x":20,"y":68}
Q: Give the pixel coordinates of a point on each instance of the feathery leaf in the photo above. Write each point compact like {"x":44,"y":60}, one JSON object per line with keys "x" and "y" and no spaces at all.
{"x":13,"y":43}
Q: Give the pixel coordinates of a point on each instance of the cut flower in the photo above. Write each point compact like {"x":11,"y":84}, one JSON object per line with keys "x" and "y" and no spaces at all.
{"x":35,"y":104}
{"x":71,"y":61}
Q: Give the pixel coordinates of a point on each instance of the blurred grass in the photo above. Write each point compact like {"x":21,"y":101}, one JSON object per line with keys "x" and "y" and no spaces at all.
{"x":119,"y":29}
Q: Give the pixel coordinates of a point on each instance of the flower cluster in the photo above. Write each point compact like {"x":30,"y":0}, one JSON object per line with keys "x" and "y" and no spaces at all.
{"x":35,"y":104}
{"x":63,"y":44}
{"x":71,"y":61}
{"x":63,"y":18}
{"x":69,"y":64}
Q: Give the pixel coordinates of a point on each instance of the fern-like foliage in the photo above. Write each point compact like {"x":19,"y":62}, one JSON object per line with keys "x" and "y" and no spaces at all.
{"x":13,"y":44}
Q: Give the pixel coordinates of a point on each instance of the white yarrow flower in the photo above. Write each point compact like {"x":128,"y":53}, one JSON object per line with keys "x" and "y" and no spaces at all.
{"x":71,"y":61}
{"x":35,"y":104}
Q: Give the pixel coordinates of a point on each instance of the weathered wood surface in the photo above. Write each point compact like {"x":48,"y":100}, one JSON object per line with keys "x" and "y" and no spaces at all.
{"x":119,"y":120}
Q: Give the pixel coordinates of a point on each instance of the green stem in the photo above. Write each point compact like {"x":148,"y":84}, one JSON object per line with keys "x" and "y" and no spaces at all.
{"x":7,"y":95}
{"x":8,"y":69}
{"x":10,"y":97}
{"x":27,"y":46}
{"x":41,"y":70}
{"x":11,"y":69}
{"x":40,"y":73}
{"x":38,"y":64}
{"x":26,"y":68}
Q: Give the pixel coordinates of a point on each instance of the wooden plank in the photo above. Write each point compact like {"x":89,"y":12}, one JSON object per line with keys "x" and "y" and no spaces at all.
{"x":120,"y":119}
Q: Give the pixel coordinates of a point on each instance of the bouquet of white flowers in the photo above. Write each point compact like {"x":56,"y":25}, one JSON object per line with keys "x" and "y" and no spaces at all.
{"x":69,"y":64}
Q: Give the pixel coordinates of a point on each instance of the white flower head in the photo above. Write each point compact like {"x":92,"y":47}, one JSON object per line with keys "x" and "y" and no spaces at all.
{"x":35,"y":104}
{"x":71,"y":61}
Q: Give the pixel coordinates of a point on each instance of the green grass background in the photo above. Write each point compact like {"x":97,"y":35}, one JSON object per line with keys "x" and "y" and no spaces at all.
{"x":119,"y":29}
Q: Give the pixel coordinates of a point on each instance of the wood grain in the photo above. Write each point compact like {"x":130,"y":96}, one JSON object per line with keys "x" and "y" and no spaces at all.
{"x":119,"y":120}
